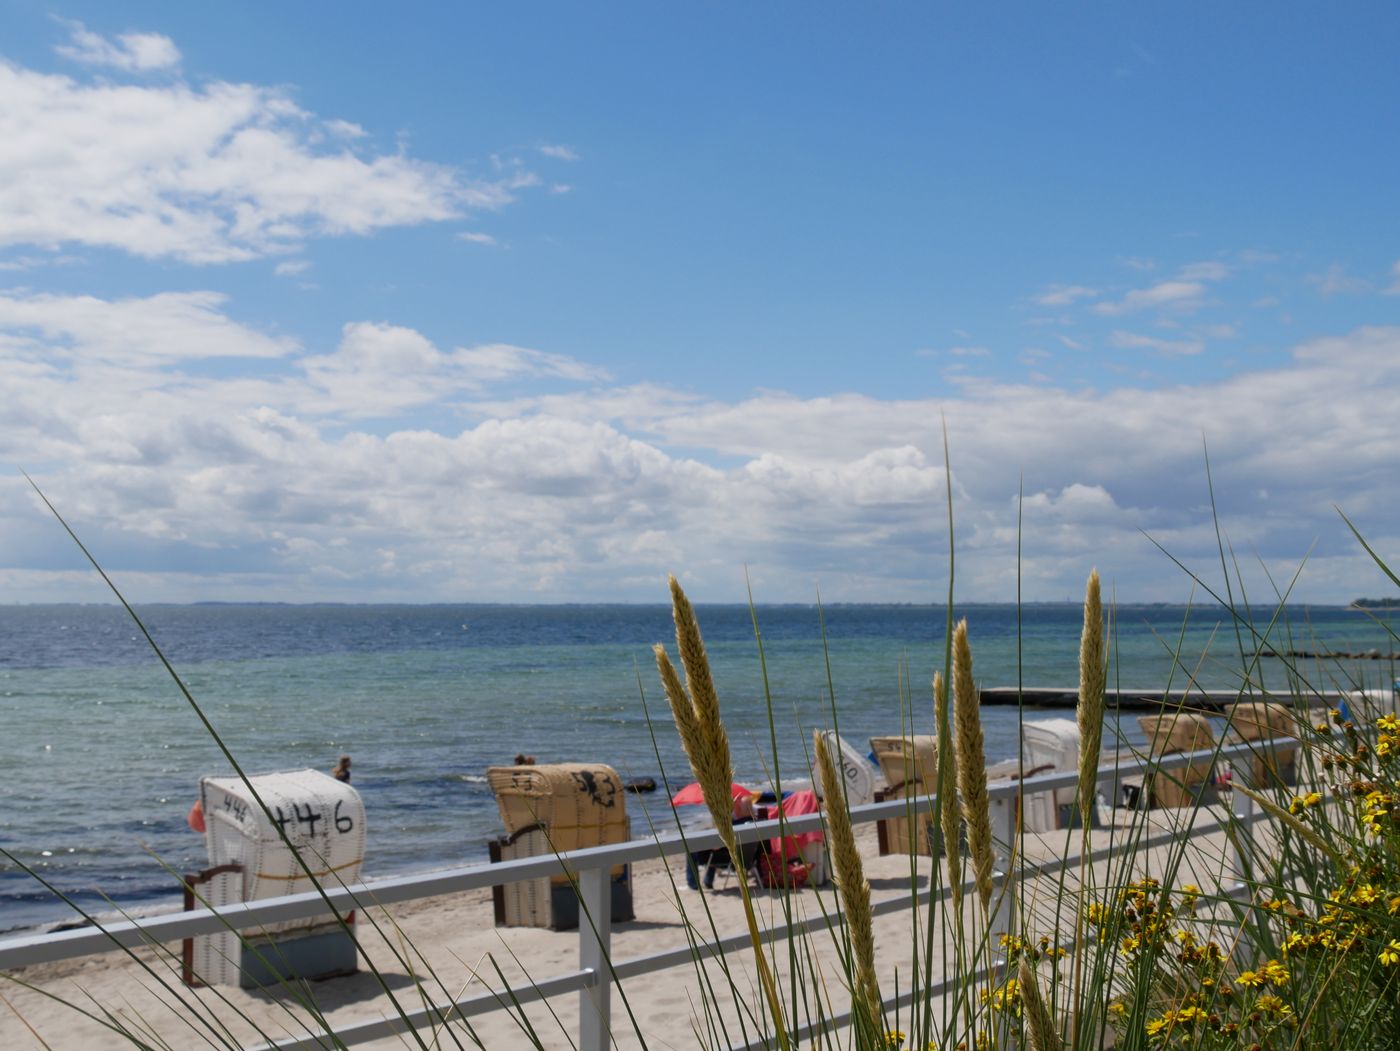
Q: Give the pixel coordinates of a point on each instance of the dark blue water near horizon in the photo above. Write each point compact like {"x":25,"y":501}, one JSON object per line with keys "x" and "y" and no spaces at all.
{"x":100,"y":755}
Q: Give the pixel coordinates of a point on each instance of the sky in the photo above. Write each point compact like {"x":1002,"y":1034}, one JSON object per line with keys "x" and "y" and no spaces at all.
{"x":540,"y":303}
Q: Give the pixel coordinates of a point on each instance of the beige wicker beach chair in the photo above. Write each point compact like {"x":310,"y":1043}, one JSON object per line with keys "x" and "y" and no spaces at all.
{"x":1172,"y":732}
{"x":1273,"y":728}
{"x":549,"y":809}
{"x":910,"y":766}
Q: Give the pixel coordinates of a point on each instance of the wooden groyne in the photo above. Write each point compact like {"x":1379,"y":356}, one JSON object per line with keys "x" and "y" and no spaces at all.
{"x":1058,"y":697}
{"x":1327,"y":655}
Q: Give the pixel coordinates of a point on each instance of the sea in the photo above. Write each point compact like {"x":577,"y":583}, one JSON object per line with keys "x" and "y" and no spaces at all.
{"x":101,"y":754}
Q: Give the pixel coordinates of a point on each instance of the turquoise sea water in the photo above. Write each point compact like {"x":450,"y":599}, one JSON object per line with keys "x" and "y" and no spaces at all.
{"x":100,"y":756}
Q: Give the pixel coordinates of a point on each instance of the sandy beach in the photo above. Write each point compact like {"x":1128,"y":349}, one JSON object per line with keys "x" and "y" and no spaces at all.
{"x":455,"y":943}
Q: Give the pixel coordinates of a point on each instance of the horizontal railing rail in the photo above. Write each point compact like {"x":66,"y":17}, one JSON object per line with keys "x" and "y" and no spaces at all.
{"x":590,"y":866}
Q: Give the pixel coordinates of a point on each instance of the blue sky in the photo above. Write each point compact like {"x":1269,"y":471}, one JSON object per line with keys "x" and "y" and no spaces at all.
{"x":539,"y":303}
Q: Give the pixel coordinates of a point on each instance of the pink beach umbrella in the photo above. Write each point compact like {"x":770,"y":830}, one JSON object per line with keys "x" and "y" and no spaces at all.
{"x":692,"y":794}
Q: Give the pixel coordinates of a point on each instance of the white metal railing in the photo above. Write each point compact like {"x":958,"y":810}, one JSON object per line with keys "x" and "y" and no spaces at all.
{"x":592,"y":865}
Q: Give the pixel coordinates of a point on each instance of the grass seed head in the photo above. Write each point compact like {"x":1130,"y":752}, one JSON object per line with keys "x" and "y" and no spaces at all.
{"x":972,"y":765}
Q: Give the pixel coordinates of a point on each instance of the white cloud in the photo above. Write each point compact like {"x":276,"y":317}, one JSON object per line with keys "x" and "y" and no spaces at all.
{"x":161,"y":329}
{"x":1394,"y":288}
{"x":1207,"y":271}
{"x":1172,"y":347}
{"x":206,"y":174}
{"x":559,"y":153}
{"x":291,"y":267}
{"x":475,"y":237}
{"x":130,"y":52}
{"x":1336,"y":281}
{"x":344,"y":129}
{"x":1174,"y":295}
{"x":1064,"y":295}
{"x":383,"y":370}
{"x":594,"y":491}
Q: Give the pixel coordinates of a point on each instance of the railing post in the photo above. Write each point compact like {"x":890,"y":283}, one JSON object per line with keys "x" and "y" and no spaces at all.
{"x":1004,"y":880}
{"x":594,"y":945}
{"x":1243,"y":809}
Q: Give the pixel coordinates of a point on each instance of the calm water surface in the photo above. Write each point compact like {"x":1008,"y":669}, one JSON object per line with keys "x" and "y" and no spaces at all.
{"x":100,"y":756}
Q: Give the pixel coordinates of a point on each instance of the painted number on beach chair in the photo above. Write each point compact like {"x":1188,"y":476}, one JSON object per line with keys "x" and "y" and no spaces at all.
{"x":307,"y":816}
{"x":343,"y":822}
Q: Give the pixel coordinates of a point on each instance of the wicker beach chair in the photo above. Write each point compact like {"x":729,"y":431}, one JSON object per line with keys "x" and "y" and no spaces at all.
{"x":1173,"y":732}
{"x":910,"y":766}
{"x":1272,"y":727}
{"x":550,"y":809}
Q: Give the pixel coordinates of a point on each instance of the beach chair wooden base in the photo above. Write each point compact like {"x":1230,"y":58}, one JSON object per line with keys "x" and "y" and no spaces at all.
{"x":546,"y":902}
{"x":892,"y":833}
{"x":1272,"y":729}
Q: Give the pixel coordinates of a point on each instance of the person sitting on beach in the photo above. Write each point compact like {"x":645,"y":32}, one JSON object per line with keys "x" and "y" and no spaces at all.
{"x":521,"y":759}
{"x":341,"y":770}
{"x":714,"y":860}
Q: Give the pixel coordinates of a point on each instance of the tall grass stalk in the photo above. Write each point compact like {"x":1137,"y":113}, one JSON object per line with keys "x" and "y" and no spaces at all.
{"x":695,"y":708}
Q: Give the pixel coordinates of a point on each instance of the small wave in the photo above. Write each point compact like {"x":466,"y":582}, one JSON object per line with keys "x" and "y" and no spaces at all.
{"x":471,"y":779}
{"x":104,"y":918}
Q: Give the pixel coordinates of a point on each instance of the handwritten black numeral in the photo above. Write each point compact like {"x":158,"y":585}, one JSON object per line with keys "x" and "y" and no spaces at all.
{"x":343,"y":822}
{"x":307,"y":816}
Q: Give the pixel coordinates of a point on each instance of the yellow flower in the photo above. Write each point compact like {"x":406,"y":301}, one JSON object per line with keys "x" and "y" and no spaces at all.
{"x":1390,"y":955}
{"x":1118,"y":1007}
{"x":1364,"y":894}
{"x":1270,"y":1004}
{"x":1300,"y":803}
{"x":1156,"y":1025}
{"x":894,"y":1039}
{"x":1275,"y":972}
{"x":1250,"y":979}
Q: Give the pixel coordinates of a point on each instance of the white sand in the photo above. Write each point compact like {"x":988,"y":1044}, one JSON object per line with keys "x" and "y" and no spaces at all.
{"x":455,"y":937}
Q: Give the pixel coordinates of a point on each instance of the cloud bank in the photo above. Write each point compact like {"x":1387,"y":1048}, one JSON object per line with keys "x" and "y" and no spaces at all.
{"x":314,"y":471}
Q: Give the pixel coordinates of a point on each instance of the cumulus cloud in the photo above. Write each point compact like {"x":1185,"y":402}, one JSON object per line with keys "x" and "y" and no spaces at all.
{"x":381,"y":370}
{"x":165,"y":328}
{"x":559,"y":153}
{"x":129,"y":52}
{"x":204,"y":174}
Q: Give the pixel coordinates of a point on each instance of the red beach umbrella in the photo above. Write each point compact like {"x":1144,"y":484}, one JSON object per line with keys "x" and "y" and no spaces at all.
{"x":692,"y":794}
